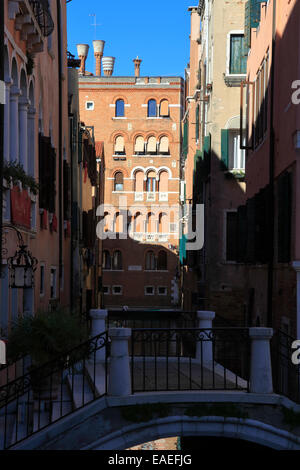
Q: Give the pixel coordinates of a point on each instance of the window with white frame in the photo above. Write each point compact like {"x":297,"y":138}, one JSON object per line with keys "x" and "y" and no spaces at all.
{"x":237,"y":60}
{"x":236,"y":160}
{"x":161,"y":290}
{"x":117,"y":290}
{"x":149,"y":290}
{"x":106,"y":290}
{"x":89,"y":105}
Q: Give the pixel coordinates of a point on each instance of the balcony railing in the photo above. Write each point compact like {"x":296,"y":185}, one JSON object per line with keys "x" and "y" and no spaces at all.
{"x":43,"y":16}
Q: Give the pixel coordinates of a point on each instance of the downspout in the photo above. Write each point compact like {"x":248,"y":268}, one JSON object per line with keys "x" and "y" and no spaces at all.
{"x":1,"y":122}
{"x":271,"y":176}
{"x":59,"y":50}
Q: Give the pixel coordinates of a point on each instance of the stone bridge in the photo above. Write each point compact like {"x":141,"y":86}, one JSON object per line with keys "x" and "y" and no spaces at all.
{"x":129,"y":399}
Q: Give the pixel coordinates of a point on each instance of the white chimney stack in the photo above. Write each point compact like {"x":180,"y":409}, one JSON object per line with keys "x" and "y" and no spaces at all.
{"x":108,"y":65}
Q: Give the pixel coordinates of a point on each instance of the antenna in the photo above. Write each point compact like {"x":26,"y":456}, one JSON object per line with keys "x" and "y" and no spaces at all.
{"x":95,"y":24}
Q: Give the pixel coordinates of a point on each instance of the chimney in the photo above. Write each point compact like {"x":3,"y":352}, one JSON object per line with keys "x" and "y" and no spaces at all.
{"x":82,"y":50}
{"x":98,"y":53}
{"x":137,"y":64}
{"x":108,"y":65}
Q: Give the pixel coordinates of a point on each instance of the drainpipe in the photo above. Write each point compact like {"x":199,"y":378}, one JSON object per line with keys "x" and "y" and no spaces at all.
{"x":271,"y":175}
{"x":60,"y":218}
{"x":1,"y":121}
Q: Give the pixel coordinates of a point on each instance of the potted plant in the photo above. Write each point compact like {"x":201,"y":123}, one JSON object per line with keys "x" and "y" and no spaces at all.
{"x":48,"y":338}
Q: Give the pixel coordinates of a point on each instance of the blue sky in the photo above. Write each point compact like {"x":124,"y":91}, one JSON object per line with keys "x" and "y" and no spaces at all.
{"x":156,"y":30}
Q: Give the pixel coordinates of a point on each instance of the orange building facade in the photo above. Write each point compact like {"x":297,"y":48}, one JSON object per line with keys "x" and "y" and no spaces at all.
{"x":138,"y":120}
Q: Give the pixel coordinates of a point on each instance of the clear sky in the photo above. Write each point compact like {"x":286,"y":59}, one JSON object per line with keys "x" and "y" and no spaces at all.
{"x":156,"y":30}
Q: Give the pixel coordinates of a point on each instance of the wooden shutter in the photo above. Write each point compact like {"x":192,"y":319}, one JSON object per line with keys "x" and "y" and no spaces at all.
{"x":224,"y":148}
{"x":241,"y":233}
{"x":139,"y":144}
{"x":284,"y":217}
{"x":164,"y":145}
{"x":119,"y":144}
{"x":231,"y":236}
{"x":164,"y":108}
{"x":151,"y":144}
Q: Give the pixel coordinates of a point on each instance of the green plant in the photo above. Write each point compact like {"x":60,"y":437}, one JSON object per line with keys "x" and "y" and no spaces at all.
{"x":143,"y":413}
{"x":14,"y":172}
{"x":227,"y":410}
{"x":47,"y":335}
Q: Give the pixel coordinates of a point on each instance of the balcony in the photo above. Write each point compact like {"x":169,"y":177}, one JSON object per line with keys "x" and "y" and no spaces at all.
{"x":151,"y":196}
{"x":33,"y":20}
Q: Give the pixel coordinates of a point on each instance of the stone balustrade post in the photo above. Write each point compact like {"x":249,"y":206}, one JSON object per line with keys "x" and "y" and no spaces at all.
{"x":204,"y":349}
{"x":119,"y":383}
{"x":261,"y":368}
{"x":98,"y":326}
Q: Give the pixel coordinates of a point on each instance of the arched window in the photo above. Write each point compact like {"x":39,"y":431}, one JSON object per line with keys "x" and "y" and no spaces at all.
{"x":164,"y":108}
{"x":137,"y":222}
{"x":163,"y":181}
{"x":151,"y":145}
{"x":139,"y":181}
{"x":162,"y":261}
{"x":118,"y":180}
{"x":106,"y":263}
{"x":151,"y":182}
{"x":117,"y":260}
{"x":164,"y":145}
{"x":152,"y":108}
{"x":151,"y":224}
{"x":139,"y":147}
{"x":119,"y":145}
{"x":163,"y":223}
{"x":120,"y":108}
{"x":150,"y":264}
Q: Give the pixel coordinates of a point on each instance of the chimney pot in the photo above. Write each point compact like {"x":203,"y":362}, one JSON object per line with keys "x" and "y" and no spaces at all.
{"x":137,"y":64}
{"x":98,"y":53}
{"x":108,"y":65}
{"x":82,"y":51}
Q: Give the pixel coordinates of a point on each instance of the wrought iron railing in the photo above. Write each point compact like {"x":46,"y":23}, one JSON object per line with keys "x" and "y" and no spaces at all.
{"x":14,"y":369}
{"x":43,"y":16}
{"x":190,"y":359}
{"x":286,"y":375}
{"x":50,"y":392}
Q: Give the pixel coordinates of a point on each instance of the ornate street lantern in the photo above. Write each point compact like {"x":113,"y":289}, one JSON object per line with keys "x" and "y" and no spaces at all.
{"x":22,"y":265}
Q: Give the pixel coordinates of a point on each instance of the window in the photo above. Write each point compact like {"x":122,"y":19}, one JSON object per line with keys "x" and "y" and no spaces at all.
{"x":139,"y":181}
{"x":150,"y":261}
{"x":231,"y":236}
{"x":164,"y":108}
{"x":152,"y":108}
{"x":139,"y":147}
{"x":149,"y":290}
{"x":117,"y":290}
{"x":119,"y":145}
{"x":164,"y":145}
{"x":162,"y":261}
{"x":163,"y":181}
{"x":151,"y":145}
{"x":117,"y":260}
{"x":151,"y":182}
{"x":236,"y":155}
{"x":120,"y":109}
{"x":162,"y":290}
{"x":106,"y":290}
{"x":42,"y":279}
{"x":53,"y":283}
{"x":118,"y":181}
{"x":238,"y":60}
{"x":89,"y":105}
{"x":106,"y":260}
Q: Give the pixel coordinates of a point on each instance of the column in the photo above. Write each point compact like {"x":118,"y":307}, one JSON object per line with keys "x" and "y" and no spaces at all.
{"x":31,"y":140}
{"x":23,"y":132}
{"x":98,"y":327}
{"x":14,"y":124}
{"x":7,"y":120}
{"x":204,"y":349}
{"x":296,"y":266}
{"x":261,"y":368}
{"x":119,"y":383}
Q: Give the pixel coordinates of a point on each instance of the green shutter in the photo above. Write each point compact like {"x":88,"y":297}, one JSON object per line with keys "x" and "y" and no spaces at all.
{"x":224,"y":148}
{"x":252,"y":20}
{"x":185,"y":143}
{"x":197,"y":122}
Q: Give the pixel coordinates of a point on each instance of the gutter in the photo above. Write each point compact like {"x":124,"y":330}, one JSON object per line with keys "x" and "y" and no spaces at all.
{"x":1,"y":123}
{"x":271,"y":176}
{"x":60,"y":215}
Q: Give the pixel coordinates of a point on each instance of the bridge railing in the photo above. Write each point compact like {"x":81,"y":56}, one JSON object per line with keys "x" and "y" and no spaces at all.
{"x":52,"y":391}
{"x":286,"y":374}
{"x":169,"y":359}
